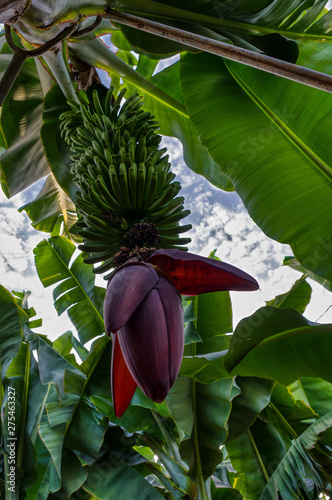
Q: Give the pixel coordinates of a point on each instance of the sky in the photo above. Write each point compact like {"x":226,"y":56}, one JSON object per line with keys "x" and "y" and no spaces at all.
{"x":220,"y":221}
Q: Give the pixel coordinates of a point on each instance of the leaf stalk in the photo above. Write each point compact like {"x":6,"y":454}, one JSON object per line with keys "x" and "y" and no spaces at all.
{"x":256,"y":60}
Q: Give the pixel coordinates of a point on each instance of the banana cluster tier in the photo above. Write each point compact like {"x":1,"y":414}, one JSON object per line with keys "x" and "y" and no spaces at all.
{"x":127,"y":197}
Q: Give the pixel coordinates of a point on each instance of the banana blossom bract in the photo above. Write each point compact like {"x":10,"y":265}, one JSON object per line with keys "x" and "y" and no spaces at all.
{"x":143,"y":310}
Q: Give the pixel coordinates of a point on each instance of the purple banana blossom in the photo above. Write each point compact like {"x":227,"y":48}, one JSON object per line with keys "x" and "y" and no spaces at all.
{"x":143,"y":310}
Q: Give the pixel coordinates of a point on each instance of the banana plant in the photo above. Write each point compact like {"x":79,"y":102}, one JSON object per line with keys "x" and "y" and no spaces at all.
{"x":177,"y":405}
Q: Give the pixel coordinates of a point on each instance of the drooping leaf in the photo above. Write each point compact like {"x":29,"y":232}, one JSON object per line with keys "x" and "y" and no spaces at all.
{"x":240,"y":23}
{"x":56,"y":149}
{"x":265,"y":322}
{"x":289,"y":412}
{"x":24,"y":161}
{"x":84,"y":424}
{"x":272,"y":350}
{"x":12,"y":318}
{"x":272,"y":143}
{"x":73,"y":474}
{"x":51,"y":205}
{"x":76,"y":291}
{"x":297,"y":298}
{"x":150,"y":45}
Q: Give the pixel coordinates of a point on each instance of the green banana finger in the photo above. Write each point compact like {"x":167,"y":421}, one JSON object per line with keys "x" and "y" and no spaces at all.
{"x":96,"y":103}
{"x":170,"y":240}
{"x":149,"y":197}
{"x":171,"y":230}
{"x":88,"y":209}
{"x":166,"y":197}
{"x":97,"y":148}
{"x":116,"y":187}
{"x":168,"y":209}
{"x":175,"y":217}
{"x":132,"y":174}
{"x":104,"y":192}
{"x":108,"y":264}
{"x":94,"y":236}
{"x":141,"y":174}
{"x":100,"y":225}
{"x":97,"y":200}
{"x":123,"y":181}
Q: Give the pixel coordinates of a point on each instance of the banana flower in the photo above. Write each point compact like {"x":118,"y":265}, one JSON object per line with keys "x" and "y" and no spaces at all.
{"x":143,"y":310}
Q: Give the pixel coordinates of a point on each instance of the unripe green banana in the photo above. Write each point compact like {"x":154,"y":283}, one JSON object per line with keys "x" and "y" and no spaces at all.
{"x":141,"y":175}
{"x":174,"y":229}
{"x":174,"y":217}
{"x":132,"y":174}
{"x":123,"y":181}
{"x":123,"y":177}
{"x":169,"y":209}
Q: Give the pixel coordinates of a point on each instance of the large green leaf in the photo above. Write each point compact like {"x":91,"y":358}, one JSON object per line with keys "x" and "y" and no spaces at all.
{"x":115,"y":479}
{"x":56,"y":149}
{"x":239,"y":22}
{"x":12,"y":318}
{"x":264,"y":323}
{"x":289,"y":412}
{"x":209,"y":316}
{"x":298,"y":297}
{"x":254,"y":397}
{"x":272,"y":349}
{"x":51,"y":206}
{"x":76,"y":291}
{"x":24,"y":161}
{"x":273,"y":143}
{"x":200,"y":402}
{"x":162,"y":96}
{"x":319,"y":394}
{"x":210,"y":410}
{"x":254,"y":456}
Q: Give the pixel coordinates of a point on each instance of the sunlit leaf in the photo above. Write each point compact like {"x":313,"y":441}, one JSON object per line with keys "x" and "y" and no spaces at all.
{"x":76,"y":291}
{"x":272,"y":142}
{"x":297,"y":298}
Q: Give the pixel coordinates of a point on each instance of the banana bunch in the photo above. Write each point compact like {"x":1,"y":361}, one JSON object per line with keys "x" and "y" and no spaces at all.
{"x":127,"y":195}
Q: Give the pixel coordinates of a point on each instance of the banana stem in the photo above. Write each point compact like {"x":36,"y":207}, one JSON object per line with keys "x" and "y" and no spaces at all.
{"x":249,"y":58}
{"x":57,"y":64}
{"x":9,"y":77}
{"x":171,"y":443}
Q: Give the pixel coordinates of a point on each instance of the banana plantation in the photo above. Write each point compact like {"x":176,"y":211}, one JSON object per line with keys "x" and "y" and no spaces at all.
{"x":154,"y":393}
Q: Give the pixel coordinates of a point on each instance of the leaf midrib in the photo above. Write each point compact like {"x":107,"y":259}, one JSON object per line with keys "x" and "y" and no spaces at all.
{"x":287,"y":132}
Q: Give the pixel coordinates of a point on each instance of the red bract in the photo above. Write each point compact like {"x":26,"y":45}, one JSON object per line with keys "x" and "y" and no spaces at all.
{"x":193,"y":274}
{"x":143,"y":309}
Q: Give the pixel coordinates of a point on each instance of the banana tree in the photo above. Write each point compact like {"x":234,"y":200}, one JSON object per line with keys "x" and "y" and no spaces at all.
{"x":249,"y":98}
